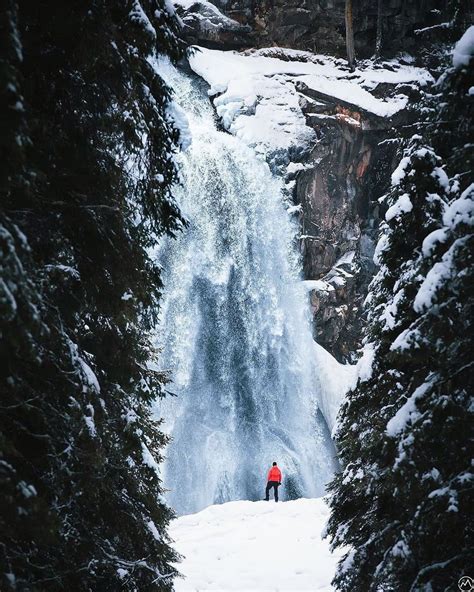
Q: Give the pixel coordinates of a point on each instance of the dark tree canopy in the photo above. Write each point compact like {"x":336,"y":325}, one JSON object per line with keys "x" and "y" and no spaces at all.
{"x":404,"y":498}
{"x":86,"y":165}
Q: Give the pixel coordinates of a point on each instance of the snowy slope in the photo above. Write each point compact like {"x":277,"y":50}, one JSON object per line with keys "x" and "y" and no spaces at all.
{"x":257,"y":100}
{"x":255,"y":547}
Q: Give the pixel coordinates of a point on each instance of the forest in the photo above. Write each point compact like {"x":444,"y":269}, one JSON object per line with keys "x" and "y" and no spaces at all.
{"x":234,"y":233}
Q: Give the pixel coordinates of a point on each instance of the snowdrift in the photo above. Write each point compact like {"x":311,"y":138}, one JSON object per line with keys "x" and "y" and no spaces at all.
{"x":256,"y":99}
{"x":255,"y":547}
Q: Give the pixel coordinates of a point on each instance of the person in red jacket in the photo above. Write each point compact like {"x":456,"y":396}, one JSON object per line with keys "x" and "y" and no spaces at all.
{"x":273,"y":480}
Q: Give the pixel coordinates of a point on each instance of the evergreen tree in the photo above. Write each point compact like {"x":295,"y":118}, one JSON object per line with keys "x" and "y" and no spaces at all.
{"x":86,"y":168}
{"x":403,"y":499}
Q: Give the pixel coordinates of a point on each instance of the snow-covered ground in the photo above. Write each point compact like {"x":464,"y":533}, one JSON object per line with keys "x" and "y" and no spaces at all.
{"x":256,"y":99}
{"x":255,"y":547}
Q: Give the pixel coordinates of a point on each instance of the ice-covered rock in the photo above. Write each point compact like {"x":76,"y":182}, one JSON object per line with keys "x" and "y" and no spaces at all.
{"x":204,"y":22}
{"x":257,"y":94}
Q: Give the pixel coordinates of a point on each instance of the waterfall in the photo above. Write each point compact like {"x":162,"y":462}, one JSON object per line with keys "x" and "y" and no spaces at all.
{"x":235,"y":329}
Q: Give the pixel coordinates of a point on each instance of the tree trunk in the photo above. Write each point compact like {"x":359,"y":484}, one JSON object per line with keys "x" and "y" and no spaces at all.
{"x":350,"y":36}
{"x":378,"y":38}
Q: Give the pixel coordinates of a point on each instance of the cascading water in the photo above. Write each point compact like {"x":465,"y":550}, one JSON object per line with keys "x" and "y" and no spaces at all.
{"x":234,"y":330}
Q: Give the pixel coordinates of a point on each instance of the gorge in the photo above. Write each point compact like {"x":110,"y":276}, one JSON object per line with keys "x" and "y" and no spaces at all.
{"x":234,"y":232}
{"x":280,"y":204}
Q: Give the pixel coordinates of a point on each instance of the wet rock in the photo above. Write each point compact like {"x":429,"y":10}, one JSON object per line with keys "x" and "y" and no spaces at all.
{"x":350,"y":169}
{"x":335,"y":176}
{"x":316,"y":25}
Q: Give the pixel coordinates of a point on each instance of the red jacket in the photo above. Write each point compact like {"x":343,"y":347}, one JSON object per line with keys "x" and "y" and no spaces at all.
{"x":274,"y":474}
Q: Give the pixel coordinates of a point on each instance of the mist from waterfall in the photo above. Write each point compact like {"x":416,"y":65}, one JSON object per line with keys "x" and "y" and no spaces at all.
{"x":235,"y":329}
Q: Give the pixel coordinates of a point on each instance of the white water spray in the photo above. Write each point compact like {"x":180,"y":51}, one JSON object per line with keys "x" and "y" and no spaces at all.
{"x":235,"y":330}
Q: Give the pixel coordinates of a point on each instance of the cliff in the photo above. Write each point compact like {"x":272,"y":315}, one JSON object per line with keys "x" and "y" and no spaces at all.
{"x":349,"y":169}
{"x":329,"y":132}
{"x":317,"y":26}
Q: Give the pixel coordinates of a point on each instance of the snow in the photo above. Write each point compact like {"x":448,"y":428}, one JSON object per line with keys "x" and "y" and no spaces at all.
{"x":445,"y":492}
{"x":381,"y":246}
{"x":296,"y":167}
{"x":89,"y":419}
{"x":11,"y":579}
{"x":27,"y":489}
{"x":89,"y":375}
{"x":390,"y":311}
{"x":294,"y":209}
{"x":433,"y":239}
{"x":65,"y":269}
{"x":403,"y":205}
{"x":351,"y":475}
{"x":400,"y":549}
{"x":149,"y":460}
{"x":181,"y":123}
{"x":440,"y":175}
{"x":445,"y":25}
{"x":154,"y":531}
{"x":461,"y":210}
{"x":364,"y":365}
{"x":169,"y":6}
{"x":335,"y":277}
{"x":122,"y":573}
{"x":318,"y":285}
{"x":137,"y":14}
{"x":348,"y":562}
{"x":7,"y":301}
{"x":346,"y":90}
{"x":346,"y":259}
{"x":440,"y":272}
{"x":256,"y":98}
{"x":405,"y":340}
{"x":258,"y":105}
{"x":336,"y":380}
{"x":255,"y":547}
{"x":209,"y":15}
{"x":408,"y":412}
{"x":464,"y":49}
{"x":399,"y":173}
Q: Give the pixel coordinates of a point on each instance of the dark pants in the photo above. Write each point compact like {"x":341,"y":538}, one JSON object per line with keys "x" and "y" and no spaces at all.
{"x":271,"y":484}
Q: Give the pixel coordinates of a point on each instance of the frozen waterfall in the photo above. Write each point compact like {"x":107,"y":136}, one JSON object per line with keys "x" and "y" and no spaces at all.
{"x":235,"y":329}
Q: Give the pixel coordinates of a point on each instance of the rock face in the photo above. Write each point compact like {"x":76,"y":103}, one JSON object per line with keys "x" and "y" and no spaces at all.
{"x":204,"y":24}
{"x":349,"y":168}
{"x":310,"y":25}
{"x":342,"y":169}
{"x":338,"y":183}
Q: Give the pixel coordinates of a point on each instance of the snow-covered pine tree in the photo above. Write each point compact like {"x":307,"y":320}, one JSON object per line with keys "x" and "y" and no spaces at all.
{"x":86,"y":169}
{"x":403,"y":499}
{"x":364,"y":492}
